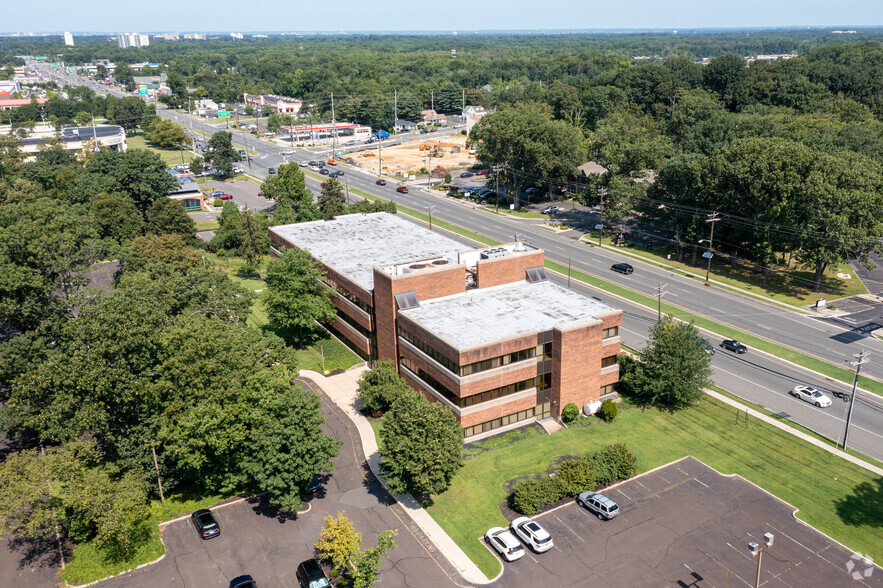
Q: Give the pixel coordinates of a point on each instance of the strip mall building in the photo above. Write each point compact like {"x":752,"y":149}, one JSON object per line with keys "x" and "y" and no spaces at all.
{"x":481,"y":330}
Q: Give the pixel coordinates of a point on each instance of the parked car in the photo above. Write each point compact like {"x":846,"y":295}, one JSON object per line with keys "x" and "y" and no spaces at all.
{"x":481,"y":172}
{"x":380,"y":182}
{"x":244,"y":581}
{"x":504,"y":543}
{"x":599,"y":504}
{"x":811,"y":395}
{"x":205,"y":523}
{"x":314,"y":485}
{"x":532,"y":534}
{"x":402,"y":189}
{"x":261,"y":193}
{"x":311,"y":575}
{"x":466,"y":175}
{"x":622,"y":268}
{"x":271,"y":171}
{"x":550,"y":210}
{"x":734,"y":346}
{"x":215,"y":193}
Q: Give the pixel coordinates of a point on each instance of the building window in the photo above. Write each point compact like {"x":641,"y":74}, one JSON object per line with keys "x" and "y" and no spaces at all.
{"x":353,"y":323}
{"x":509,"y":419}
{"x":608,"y":389}
{"x":608,"y":361}
{"x":610,"y":332}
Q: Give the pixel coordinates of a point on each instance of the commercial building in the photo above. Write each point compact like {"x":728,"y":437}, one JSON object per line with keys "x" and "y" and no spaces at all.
{"x":126,"y":40}
{"x":481,"y":330}
{"x":74,"y":138}
{"x":68,"y":39}
{"x":280,"y":104}
{"x":324,"y":131}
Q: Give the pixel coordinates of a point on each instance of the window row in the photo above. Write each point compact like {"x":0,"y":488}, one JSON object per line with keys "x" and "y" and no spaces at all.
{"x":353,"y":323}
{"x":608,"y":361}
{"x":608,"y":389}
{"x":541,"y":352}
{"x":610,"y":332}
{"x":348,"y":295}
{"x":492,"y":424}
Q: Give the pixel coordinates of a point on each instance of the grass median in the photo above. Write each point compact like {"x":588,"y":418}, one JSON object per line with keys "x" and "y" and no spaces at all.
{"x":832,"y":494}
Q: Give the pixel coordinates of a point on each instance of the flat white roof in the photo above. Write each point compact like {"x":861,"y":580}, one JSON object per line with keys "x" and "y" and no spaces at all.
{"x":355,"y":244}
{"x":501,"y":312}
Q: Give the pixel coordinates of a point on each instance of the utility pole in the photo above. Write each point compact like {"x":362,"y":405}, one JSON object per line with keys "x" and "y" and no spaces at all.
{"x":712,"y":218}
{"x":333,"y":124}
{"x":497,"y":186}
{"x":660,"y":292}
{"x":463,"y":109}
{"x":601,"y":193}
{"x":158,"y":479}
{"x":432,"y":99}
{"x":379,"y":156}
{"x":860,"y":359}
{"x":347,"y":180}
{"x":190,"y":114}
{"x":429,"y":209}
{"x":429,"y":180}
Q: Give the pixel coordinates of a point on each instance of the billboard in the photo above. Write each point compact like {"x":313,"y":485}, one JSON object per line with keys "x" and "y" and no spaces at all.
{"x":223,"y":114}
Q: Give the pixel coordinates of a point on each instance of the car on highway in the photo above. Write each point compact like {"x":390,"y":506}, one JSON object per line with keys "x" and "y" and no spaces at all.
{"x":271,"y":171}
{"x":288,"y":152}
{"x":311,"y":575}
{"x":622,"y":268}
{"x":205,"y":523}
{"x":467,"y":175}
{"x":533,"y":535}
{"x":315,"y":168}
{"x":811,"y":395}
{"x":550,"y":210}
{"x":302,"y":163}
{"x":733,"y":346}
{"x":349,"y":143}
{"x":324,"y":185}
{"x":320,"y":163}
{"x":380,"y":182}
{"x":336,"y":173}
{"x":504,"y":543}
{"x":324,"y":171}
{"x":706,"y":345}
{"x":331,"y":162}
{"x":402,"y":189}
{"x":599,"y":504}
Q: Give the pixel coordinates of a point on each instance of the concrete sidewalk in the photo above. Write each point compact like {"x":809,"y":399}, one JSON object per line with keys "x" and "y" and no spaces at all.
{"x":342,"y":389}
{"x":785,"y":427}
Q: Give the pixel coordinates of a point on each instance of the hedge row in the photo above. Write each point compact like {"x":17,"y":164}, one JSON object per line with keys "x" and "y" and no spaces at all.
{"x":601,"y":468}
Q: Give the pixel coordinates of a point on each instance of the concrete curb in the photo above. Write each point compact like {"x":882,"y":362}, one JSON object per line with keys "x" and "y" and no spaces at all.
{"x":342,"y":391}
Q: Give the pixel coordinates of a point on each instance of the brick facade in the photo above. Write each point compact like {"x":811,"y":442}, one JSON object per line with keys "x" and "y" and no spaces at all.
{"x":505,"y":270}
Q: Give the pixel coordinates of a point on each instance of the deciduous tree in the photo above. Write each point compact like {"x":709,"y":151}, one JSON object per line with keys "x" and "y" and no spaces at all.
{"x":295,"y":297}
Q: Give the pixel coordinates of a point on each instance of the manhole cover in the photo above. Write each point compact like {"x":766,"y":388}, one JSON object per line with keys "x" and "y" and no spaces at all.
{"x":844,"y":276}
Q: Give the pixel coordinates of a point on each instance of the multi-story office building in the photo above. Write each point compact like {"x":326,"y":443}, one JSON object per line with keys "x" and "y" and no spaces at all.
{"x":481,"y":330}
{"x":126,"y":40}
{"x":68,"y":39}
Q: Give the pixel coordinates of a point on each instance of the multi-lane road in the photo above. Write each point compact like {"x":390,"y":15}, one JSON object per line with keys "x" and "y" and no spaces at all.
{"x":760,"y":378}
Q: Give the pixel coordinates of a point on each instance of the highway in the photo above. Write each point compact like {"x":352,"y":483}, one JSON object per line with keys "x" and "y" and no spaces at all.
{"x":759,"y":378}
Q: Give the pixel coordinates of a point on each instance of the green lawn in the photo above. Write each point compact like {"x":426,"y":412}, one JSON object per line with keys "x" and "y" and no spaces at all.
{"x":206,"y":225}
{"x":171,"y":157}
{"x":90,"y":564}
{"x":833,"y":495}
{"x":337,"y":356}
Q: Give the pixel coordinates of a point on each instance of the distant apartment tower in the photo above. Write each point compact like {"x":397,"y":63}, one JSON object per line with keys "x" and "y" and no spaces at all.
{"x":236,"y":35}
{"x":68,"y":39}
{"x":126,"y":40}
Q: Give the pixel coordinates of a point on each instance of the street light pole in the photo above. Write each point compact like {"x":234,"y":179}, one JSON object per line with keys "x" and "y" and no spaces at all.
{"x":712,"y":218}
{"x":860,"y":359}
{"x":660,"y":292}
{"x":758,"y":550}
{"x":601,"y":193}
{"x":430,"y":216}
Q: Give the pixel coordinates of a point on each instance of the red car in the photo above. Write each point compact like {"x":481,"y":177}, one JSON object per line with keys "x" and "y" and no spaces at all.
{"x":324,"y":185}
{"x":481,"y":172}
{"x":225,"y":197}
{"x":402,"y":189}
{"x":380,"y":182}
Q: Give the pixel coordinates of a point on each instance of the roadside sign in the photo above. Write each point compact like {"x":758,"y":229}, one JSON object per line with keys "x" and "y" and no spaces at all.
{"x":143,"y":91}
{"x":599,"y":227}
{"x":223,"y":114}
{"x":708,"y":255}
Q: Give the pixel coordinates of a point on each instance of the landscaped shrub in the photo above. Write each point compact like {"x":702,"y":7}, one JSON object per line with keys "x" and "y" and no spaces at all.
{"x":218,"y":202}
{"x":612,"y":463}
{"x":608,"y":411}
{"x":531,"y":496}
{"x":570,"y":413}
{"x":576,"y":476}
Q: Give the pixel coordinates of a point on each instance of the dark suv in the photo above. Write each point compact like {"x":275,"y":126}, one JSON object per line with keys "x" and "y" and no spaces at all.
{"x":311,"y":575}
{"x":622,"y":268}
{"x":205,"y":523}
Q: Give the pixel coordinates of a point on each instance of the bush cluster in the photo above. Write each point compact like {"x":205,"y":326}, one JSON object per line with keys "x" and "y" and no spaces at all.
{"x":570,"y":413}
{"x":596,"y":469}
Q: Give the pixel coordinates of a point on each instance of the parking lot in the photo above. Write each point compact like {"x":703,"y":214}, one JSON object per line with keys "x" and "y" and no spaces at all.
{"x":685,"y":525}
{"x":244,"y":192}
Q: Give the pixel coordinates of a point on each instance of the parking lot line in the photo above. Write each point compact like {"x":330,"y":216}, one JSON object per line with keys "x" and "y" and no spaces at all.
{"x":569,"y":529}
{"x":701,"y":482}
{"x":624,"y":494}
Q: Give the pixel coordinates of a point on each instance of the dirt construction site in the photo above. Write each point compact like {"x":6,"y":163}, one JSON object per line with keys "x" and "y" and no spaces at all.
{"x":408,"y":158}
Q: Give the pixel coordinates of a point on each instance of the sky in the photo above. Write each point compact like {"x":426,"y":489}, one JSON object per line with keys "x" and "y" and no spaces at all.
{"x":113,"y":16}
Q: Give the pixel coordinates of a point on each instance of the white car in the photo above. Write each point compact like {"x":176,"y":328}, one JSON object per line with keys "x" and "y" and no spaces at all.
{"x":811,"y":395}
{"x":532,"y":534}
{"x":288,"y":152}
{"x":504,"y":543}
{"x":302,"y":163}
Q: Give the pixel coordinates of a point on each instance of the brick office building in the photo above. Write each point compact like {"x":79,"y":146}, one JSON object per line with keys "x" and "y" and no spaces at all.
{"x":481,"y":330}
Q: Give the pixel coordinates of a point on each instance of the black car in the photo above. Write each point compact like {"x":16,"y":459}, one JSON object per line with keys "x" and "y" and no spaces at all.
{"x":244,"y":581}
{"x":324,"y":171}
{"x":311,"y":575}
{"x":314,"y":485}
{"x":734,"y":346}
{"x":205,"y":523}
{"x":467,"y":175}
{"x":271,"y":171}
{"x":622,"y":268}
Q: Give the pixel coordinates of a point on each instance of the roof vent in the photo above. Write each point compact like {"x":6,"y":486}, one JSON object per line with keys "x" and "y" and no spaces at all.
{"x":417,"y":266}
{"x":536,"y":274}
{"x":407,"y":300}
{"x":440,"y":262}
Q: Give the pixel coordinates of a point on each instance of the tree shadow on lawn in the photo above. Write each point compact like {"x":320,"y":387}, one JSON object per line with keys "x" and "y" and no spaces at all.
{"x":864,"y":507}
